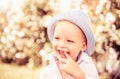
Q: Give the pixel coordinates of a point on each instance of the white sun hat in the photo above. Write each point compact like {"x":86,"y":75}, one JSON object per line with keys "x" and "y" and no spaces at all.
{"x":78,"y":18}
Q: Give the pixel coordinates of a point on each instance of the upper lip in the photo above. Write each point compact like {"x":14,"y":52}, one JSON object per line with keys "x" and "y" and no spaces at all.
{"x":62,"y":52}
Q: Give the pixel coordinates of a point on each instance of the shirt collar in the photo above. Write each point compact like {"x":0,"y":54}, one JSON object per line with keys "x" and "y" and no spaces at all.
{"x":84,"y":57}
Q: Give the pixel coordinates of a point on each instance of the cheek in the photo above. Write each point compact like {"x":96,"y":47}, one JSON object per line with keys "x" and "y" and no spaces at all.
{"x":74,"y":53}
{"x":54,"y":45}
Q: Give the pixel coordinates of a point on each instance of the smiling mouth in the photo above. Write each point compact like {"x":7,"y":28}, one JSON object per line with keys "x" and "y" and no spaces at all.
{"x":62,"y":53}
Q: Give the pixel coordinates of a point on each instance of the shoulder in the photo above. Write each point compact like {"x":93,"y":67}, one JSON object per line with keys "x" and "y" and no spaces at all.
{"x":49,"y":68}
{"x":88,"y":66}
{"x":45,"y":72}
{"x":86,"y":62}
{"x":50,"y":72}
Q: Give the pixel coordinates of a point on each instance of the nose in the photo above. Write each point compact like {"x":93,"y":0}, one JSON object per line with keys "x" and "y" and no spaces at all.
{"x":62,"y":46}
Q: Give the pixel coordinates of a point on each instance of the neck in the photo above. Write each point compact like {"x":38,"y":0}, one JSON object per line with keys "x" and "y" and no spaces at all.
{"x":78,"y":56}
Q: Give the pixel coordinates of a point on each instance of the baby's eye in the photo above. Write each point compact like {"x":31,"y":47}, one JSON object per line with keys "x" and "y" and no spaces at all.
{"x":56,"y":38}
{"x":70,"y":41}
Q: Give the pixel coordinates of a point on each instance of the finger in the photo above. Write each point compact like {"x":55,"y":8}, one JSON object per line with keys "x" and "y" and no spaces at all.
{"x":58,"y":56}
{"x":67,"y":55}
{"x":62,"y":66}
{"x":63,"y":60}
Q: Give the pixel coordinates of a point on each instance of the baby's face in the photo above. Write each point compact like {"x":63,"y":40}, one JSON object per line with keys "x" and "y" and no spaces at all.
{"x":68,"y":38}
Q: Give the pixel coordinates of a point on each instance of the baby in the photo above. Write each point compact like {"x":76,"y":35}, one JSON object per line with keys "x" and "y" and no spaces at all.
{"x":73,"y":43}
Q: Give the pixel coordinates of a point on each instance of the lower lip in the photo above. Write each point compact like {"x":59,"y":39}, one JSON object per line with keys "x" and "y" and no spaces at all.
{"x":62,"y":55}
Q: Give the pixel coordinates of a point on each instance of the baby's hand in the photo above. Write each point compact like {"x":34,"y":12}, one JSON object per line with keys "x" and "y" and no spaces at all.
{"x":71,"y":67}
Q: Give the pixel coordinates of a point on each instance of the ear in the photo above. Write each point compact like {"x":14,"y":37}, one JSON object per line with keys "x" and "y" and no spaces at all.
{"x":84,"y":46}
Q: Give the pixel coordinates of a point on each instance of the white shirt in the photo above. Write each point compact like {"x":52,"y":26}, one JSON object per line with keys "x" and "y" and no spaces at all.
{"x":85,"y":63}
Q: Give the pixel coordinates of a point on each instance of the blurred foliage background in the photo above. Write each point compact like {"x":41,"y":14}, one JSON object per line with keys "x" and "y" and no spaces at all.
{"x":25,"y":47}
